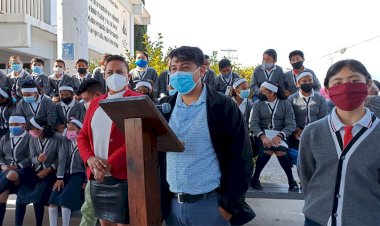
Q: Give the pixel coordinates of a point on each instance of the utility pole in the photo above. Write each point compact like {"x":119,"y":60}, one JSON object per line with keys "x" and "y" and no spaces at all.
{"x":229,"y":51}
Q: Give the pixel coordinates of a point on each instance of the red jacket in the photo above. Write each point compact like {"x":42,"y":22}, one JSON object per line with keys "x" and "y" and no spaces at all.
{"x":116,"y":152}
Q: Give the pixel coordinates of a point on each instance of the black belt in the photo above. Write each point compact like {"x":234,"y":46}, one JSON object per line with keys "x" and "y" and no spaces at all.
{"x":187,"y":198}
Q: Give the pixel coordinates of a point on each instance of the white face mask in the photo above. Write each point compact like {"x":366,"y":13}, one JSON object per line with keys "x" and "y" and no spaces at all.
{"x":116,"y":82}
{"x":58,"y":70}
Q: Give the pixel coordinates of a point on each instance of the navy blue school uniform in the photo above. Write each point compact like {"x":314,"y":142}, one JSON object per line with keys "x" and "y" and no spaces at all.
{"x":35,"y":189}
{"x":14,"y":151}
{"x":72,"y":195}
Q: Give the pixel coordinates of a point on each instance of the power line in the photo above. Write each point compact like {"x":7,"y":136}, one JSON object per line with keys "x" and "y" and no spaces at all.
{"x":344,"y":49}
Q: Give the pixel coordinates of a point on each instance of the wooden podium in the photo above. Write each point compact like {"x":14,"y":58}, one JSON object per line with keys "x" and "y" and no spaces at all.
{"x":146,"y":132}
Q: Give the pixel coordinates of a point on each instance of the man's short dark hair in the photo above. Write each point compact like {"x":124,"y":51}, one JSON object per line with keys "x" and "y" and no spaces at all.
{"x":91,"y":86}
{"x":81,"y":60}
{"x":116,"y":58}
{"x":37,"y":60}
{"x":207,"y":57}
{"x":188,"y":53}
{"x":60,"y":61}
{"x":224,"y":63}
{"x":295,"y":53}
{"x":272,"y":53}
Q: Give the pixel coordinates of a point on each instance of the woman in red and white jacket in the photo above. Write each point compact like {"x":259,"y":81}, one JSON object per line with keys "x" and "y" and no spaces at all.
{"x":102,"y":146}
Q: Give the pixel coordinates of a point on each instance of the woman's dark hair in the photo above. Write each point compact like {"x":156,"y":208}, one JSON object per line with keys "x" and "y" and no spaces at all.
{"x":295,"y":53}
{"x":280,"y":92}
{"x":272,"y":53}
{"x":188,"y":53}
{"x":48,"y":131}
{"x":143,"y":53}
{"x":353,"y":65}
{"x":224,"y":63}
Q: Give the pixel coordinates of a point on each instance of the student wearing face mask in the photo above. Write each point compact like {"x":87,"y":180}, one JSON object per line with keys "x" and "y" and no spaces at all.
{"x":68,"y":193}
{"x":89,"y":90}
{"x":145,"y":87}
{"x":38,"y":74}
{"x":308,"y":105}
{"x":142,"y":70}
{"x":7,"y":108}
{"x":82,"y":73}
{"x":267,"y":72}
{"x":223,"y":82}
{"x":35,"y":104}
{"x":102,"y":147}
{"x":48,"y":156}
{"x":210,"y":178}
{"x":240,"y":95}
{"x":339,"y":157}
{"x":17,"y":76}
{"x":297,"y":59}
{"x":272,"y":122}
{"x":14,"y":160}
{"x":68,"y":108}
{"x":58,"y":78}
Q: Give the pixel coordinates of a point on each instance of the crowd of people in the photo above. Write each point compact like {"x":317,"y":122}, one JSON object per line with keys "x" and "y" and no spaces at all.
{"x":59,"y":149}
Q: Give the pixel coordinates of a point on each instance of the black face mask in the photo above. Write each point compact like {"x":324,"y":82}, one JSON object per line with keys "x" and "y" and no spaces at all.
{"x":307,"y":87}
{"x":262,"y":97}
{"x":67,"y":100}
{"x":297,"y":65}
{"x":82,"y":70}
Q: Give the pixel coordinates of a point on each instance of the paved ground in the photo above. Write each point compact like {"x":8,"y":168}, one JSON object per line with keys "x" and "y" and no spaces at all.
{"x":269,"y":212}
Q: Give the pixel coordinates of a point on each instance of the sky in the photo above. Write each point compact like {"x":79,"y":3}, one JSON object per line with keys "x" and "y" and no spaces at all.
{"x":317,"y":27}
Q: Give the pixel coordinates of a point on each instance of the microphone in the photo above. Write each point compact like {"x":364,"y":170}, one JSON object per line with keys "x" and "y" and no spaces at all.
{"x":164,"y":108}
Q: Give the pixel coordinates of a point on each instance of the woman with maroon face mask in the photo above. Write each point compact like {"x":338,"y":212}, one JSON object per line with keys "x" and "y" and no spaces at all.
{"x":339,"y":159}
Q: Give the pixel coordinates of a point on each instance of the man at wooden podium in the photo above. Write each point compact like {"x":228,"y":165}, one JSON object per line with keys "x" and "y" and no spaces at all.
{"x":208,"y":181}
{"x":102,"y":147}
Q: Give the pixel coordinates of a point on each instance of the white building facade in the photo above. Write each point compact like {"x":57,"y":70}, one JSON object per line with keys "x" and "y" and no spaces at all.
{"x":67,"y":29}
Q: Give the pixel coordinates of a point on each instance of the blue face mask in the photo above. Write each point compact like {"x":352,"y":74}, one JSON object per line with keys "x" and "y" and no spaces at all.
{"x":16,"y":67}
{"x":141,"y":63}
{"x":183,"y":81}
{"x":244,"y":93}
{"x":37,"y":70}
{"x":29,"y":99}
{"x":16,"y":130}
{"x":172,"y":92}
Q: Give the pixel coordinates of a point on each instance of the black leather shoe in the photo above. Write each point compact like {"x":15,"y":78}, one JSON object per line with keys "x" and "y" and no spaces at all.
{"x":256,"y":184}
{"x":293,"y":186}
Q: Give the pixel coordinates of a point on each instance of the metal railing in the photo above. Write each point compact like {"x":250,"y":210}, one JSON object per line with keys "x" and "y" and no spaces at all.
{"x":34,"y":8}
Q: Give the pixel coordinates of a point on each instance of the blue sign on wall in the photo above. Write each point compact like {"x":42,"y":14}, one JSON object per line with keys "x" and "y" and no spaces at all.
{"x":68,"y":51}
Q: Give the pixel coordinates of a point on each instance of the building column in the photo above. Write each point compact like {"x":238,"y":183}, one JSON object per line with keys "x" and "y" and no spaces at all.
{"x":72,"y":32}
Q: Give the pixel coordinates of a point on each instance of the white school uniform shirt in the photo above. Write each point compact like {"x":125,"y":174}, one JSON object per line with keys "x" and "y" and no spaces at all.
{"x":243,"y":105}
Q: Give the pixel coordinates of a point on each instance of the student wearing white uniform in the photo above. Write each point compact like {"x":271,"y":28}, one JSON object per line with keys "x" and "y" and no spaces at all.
{"x":272,"y":122}
{"x":308,"y":105}
{"x":339,"y":159}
